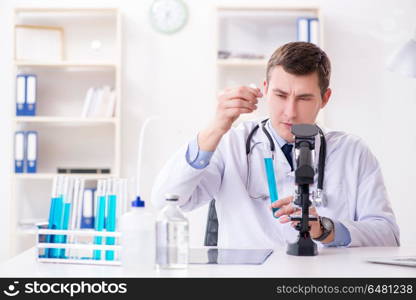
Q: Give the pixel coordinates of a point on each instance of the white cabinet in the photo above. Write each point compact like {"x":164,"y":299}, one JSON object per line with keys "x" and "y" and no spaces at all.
{"x":90,"y":56}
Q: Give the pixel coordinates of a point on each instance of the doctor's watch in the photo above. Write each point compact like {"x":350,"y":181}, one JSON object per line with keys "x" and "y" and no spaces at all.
{"x":327,"y":226}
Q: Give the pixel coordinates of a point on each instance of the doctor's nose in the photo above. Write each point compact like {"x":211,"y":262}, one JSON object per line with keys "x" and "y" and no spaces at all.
{"x":290,"y":109}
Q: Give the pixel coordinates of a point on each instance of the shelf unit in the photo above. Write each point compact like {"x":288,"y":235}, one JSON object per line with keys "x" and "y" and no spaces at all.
{"x":55,"y":64}
{"x":256,"y":31}
{"x":242,"y":62}
{"x":62,"y":85}
{"x":79,"y":120}
{"x":50,"y":176}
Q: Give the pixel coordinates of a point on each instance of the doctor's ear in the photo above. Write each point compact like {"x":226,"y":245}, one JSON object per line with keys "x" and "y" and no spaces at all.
{"x":265,"y":86}
{"x":325,"y":97}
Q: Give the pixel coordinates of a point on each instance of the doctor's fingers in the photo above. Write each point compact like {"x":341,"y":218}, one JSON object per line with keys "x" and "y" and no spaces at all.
{"x":243,"y":92}
{"x":282,"y":202}
{"x":238,"y":103}
{"x":312,"y":212}
{"x":294,"y":223}
{"x":236,"y":112}
{"x":286,"y":210}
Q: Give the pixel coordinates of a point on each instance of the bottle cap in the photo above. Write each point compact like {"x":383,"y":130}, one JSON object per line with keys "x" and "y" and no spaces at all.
{"x":138,"y":202}
{"x":171,"y":197}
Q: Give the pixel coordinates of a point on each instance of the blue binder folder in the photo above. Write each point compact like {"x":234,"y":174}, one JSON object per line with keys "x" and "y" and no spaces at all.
{"x":87,"y":218}
{"x":313,"y":30}
{"x":19,"y":151}
{"x":303,"y":29}
{"x":20,"y":95}
{"x":31,"y":151}
{"x":31,"y":92}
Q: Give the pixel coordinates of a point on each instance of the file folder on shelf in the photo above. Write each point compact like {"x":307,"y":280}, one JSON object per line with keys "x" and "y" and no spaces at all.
{"x":87,"y":217}
{"x":303,"y":29}
{"x":19,"y":151}
{"x":314,"y":31}
{"x":308,"y":30}
{"x":31,"y":156}
{"x":31,"y":87}
{"x":20,"y":95}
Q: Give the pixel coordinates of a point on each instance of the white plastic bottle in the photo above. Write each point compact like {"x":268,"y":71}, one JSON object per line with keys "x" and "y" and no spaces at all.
{"x":137,"y":240}
{"x":172,"y":236}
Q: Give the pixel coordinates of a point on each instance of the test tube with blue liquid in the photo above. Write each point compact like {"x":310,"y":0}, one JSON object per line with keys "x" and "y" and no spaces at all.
{"x":110,"y":224}
{"x":99,"y":215}
{"x":67,"y":195}
{"x":56,"y":215}
{"x":269,"y":169}
{"x":271,"y":179}
{"x":55,"y":208}
{"x":76,"y":213}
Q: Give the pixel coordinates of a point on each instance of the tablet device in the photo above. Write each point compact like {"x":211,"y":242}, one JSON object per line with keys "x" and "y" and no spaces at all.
{"x":409,"y":261}
{"x":221,"y":256}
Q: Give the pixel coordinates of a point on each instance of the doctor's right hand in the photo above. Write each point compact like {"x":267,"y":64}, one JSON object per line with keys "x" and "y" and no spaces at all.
{"x":232,"y":102}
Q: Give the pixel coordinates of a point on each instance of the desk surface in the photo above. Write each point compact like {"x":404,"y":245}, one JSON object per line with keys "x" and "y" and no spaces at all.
{"x":331,"y":262}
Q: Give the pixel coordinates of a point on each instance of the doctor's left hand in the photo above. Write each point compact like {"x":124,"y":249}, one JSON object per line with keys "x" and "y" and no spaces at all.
{"x":286,"y":209}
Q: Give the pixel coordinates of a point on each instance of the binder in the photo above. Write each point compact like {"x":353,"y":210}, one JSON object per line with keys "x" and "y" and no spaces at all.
{"x":87,"y":102}
{"x":102,"y":102}
{"x":20,"y":95}
{"x":19,"y":151}
{"x":111,"y":105}
{"x":31,"y":90}
{"x":96,"y":103}
{"x":303,"y":29}
{"x":314,"y":31}
{"x":31,"y":155}
{"x":87,"y":215}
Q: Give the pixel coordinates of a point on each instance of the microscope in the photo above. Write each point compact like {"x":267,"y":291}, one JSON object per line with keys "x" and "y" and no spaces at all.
{"x":304,"y":179}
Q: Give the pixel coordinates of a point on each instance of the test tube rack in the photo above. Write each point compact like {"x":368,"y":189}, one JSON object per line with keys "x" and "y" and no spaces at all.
{"x":73,"y":245}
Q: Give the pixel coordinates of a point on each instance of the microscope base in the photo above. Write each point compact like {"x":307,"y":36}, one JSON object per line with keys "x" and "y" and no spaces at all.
{"x":302,"y":247}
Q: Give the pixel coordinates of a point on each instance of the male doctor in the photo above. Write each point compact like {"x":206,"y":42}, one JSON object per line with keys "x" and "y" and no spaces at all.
{"x":215,"y":166}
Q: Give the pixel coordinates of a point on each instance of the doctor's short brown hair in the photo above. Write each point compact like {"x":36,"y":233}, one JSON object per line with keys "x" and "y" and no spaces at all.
{"x":302,"y":58}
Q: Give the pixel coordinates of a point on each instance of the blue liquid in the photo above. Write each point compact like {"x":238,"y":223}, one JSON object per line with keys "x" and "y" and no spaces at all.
{"x":271,"y":181}
{"x":67,"y":212}
{"x":56,"y":223}
{"x":99,"y":225}
{"x":111,"y":225}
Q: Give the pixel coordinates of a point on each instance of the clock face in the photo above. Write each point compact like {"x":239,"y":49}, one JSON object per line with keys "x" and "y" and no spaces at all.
{"x":168,"y":16}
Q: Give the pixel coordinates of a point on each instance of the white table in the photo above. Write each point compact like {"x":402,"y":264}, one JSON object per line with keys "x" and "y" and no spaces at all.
{"x":331,"y":262}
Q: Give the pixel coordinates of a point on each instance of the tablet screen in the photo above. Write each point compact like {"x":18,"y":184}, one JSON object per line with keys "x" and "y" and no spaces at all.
{"x":228,"y":256}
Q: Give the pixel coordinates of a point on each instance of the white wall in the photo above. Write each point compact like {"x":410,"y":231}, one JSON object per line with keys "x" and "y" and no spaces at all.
{"x":175,"y":76}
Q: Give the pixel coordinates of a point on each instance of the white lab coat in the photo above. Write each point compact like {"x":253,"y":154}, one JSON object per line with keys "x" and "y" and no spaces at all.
{"x":353,"y":185}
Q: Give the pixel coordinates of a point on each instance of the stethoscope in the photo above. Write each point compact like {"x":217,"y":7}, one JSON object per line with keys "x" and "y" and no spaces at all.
{"x":318,"y":196}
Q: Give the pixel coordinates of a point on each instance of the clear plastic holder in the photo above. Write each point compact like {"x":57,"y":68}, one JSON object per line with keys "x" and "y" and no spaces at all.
{"x":64,"y":242}
{"x":81,"y":249}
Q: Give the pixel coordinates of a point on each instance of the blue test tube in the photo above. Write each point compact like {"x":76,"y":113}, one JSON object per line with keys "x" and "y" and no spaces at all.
{"x":67,"y":202}
{"x":75,"y":216}
{"x":55,"y":215}
{"x":99,"y":216}
{"x":110,"y":224}
{"x":54,"y":196}
{"x":271,"y":181}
